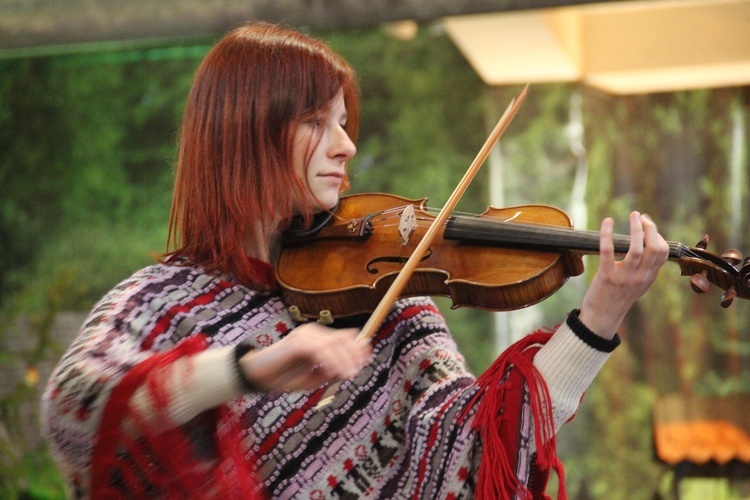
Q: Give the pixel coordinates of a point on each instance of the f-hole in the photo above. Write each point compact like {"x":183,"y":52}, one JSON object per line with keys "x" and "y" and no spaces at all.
{"x":393,"y":259}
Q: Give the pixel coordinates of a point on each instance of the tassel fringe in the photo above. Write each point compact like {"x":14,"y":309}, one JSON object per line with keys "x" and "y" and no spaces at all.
{"x":498,"y":419}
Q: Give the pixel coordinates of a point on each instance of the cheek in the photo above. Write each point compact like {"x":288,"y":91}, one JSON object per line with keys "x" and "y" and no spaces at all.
{"x":299,"y":166}
{"x":299,"y":157}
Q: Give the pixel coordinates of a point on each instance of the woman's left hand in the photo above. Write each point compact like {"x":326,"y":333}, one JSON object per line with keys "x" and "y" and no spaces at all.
{"x":619,"y":283}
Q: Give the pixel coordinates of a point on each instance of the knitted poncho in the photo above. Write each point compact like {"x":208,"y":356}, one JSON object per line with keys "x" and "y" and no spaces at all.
{"x":405,"y":427}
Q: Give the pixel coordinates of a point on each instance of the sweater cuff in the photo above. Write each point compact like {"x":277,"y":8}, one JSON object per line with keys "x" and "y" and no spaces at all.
{"x":568,"y":365}
{"x":193,"y":384}
{"x":213,"y":381}
{"x":239,"y":351}
{"x":590,"y":338}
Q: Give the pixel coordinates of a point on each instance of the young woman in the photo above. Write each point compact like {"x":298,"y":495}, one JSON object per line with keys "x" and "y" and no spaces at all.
{"x":190,"y":378}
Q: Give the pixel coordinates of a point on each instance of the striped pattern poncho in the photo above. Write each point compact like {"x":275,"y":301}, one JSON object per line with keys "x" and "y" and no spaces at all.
{"x":405,"y":427}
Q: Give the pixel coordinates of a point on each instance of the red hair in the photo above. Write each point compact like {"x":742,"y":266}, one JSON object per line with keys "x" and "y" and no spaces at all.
{"x":234,"y":169}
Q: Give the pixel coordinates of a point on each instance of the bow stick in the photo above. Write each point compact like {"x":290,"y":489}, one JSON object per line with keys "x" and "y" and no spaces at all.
{"x":378,"y":315}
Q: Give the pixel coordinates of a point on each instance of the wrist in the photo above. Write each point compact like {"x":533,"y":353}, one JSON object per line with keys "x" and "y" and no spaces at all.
{"x":240,"y":350}
{"x":602,"y":319}
{"x":594,"y":339}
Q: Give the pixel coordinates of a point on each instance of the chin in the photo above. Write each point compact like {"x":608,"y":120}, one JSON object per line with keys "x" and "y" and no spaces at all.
{"x":327,"y":202}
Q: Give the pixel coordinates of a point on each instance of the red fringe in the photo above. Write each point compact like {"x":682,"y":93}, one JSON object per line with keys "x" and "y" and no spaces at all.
{"x":498,"y":416}
{"x":164,"y":461}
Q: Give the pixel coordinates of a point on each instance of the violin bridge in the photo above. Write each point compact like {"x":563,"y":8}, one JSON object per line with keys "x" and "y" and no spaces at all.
{"x":407,"y":224}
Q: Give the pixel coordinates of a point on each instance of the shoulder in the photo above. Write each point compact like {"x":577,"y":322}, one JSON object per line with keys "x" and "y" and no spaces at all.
{"x":149,"y":284}
{"x":159,"y":306}
{"x":143,"y":299}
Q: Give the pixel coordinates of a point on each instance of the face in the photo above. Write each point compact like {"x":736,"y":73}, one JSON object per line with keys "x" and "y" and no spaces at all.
{"x":321,"y":150}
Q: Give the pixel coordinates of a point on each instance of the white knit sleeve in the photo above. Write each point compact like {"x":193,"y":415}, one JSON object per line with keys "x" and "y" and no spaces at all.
{"x":193,"y":384}
{"x":569,"y":362}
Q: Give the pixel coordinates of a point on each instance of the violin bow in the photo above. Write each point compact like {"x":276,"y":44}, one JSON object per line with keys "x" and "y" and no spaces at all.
{"x":378,"y":315}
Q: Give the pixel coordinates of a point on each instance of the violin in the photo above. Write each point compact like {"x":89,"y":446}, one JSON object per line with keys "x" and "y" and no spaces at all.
{"x":376,"y":248}
{"x":500,"y":260}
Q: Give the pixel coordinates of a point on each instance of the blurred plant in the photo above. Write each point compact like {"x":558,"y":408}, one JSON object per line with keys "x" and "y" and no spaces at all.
{"x":27,"y":349}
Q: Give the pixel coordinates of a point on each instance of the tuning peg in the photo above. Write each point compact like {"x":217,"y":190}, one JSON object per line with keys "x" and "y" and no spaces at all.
{"x":745,"y":271}
{"x":728,"y":297}
{"x":732,"y":255}
{"x":700,"y":283}
{"x":703,"y":243}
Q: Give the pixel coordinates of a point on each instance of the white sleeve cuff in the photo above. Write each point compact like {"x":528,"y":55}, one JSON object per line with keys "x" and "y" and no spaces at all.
{"x":193,"y":384}
{"x":568,"y":365}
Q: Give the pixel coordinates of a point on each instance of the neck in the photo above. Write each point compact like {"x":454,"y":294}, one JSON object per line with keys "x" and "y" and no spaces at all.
{"x":264,"y":243}
{"x":535,"y":236}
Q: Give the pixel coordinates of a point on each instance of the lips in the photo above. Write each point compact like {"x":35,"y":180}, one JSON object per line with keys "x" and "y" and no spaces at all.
{"x":337,"y":176}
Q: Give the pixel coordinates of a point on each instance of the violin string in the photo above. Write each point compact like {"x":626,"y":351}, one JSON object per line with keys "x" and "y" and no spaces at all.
{"x":687,"y":251}
{"x":384,"y":219}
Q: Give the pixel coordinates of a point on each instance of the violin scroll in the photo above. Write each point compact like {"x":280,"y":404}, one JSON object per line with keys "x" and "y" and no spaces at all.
{"x":707,"y":268}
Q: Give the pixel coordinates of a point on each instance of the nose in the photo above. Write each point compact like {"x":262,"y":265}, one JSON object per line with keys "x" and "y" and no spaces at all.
{"x":342,"y":145}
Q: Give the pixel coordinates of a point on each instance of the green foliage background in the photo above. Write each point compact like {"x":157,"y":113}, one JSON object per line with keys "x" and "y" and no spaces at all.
{"x":87,"y":146}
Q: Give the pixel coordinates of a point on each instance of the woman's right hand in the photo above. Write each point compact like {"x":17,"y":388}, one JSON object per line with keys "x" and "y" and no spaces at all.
{"x":310,"y":356}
